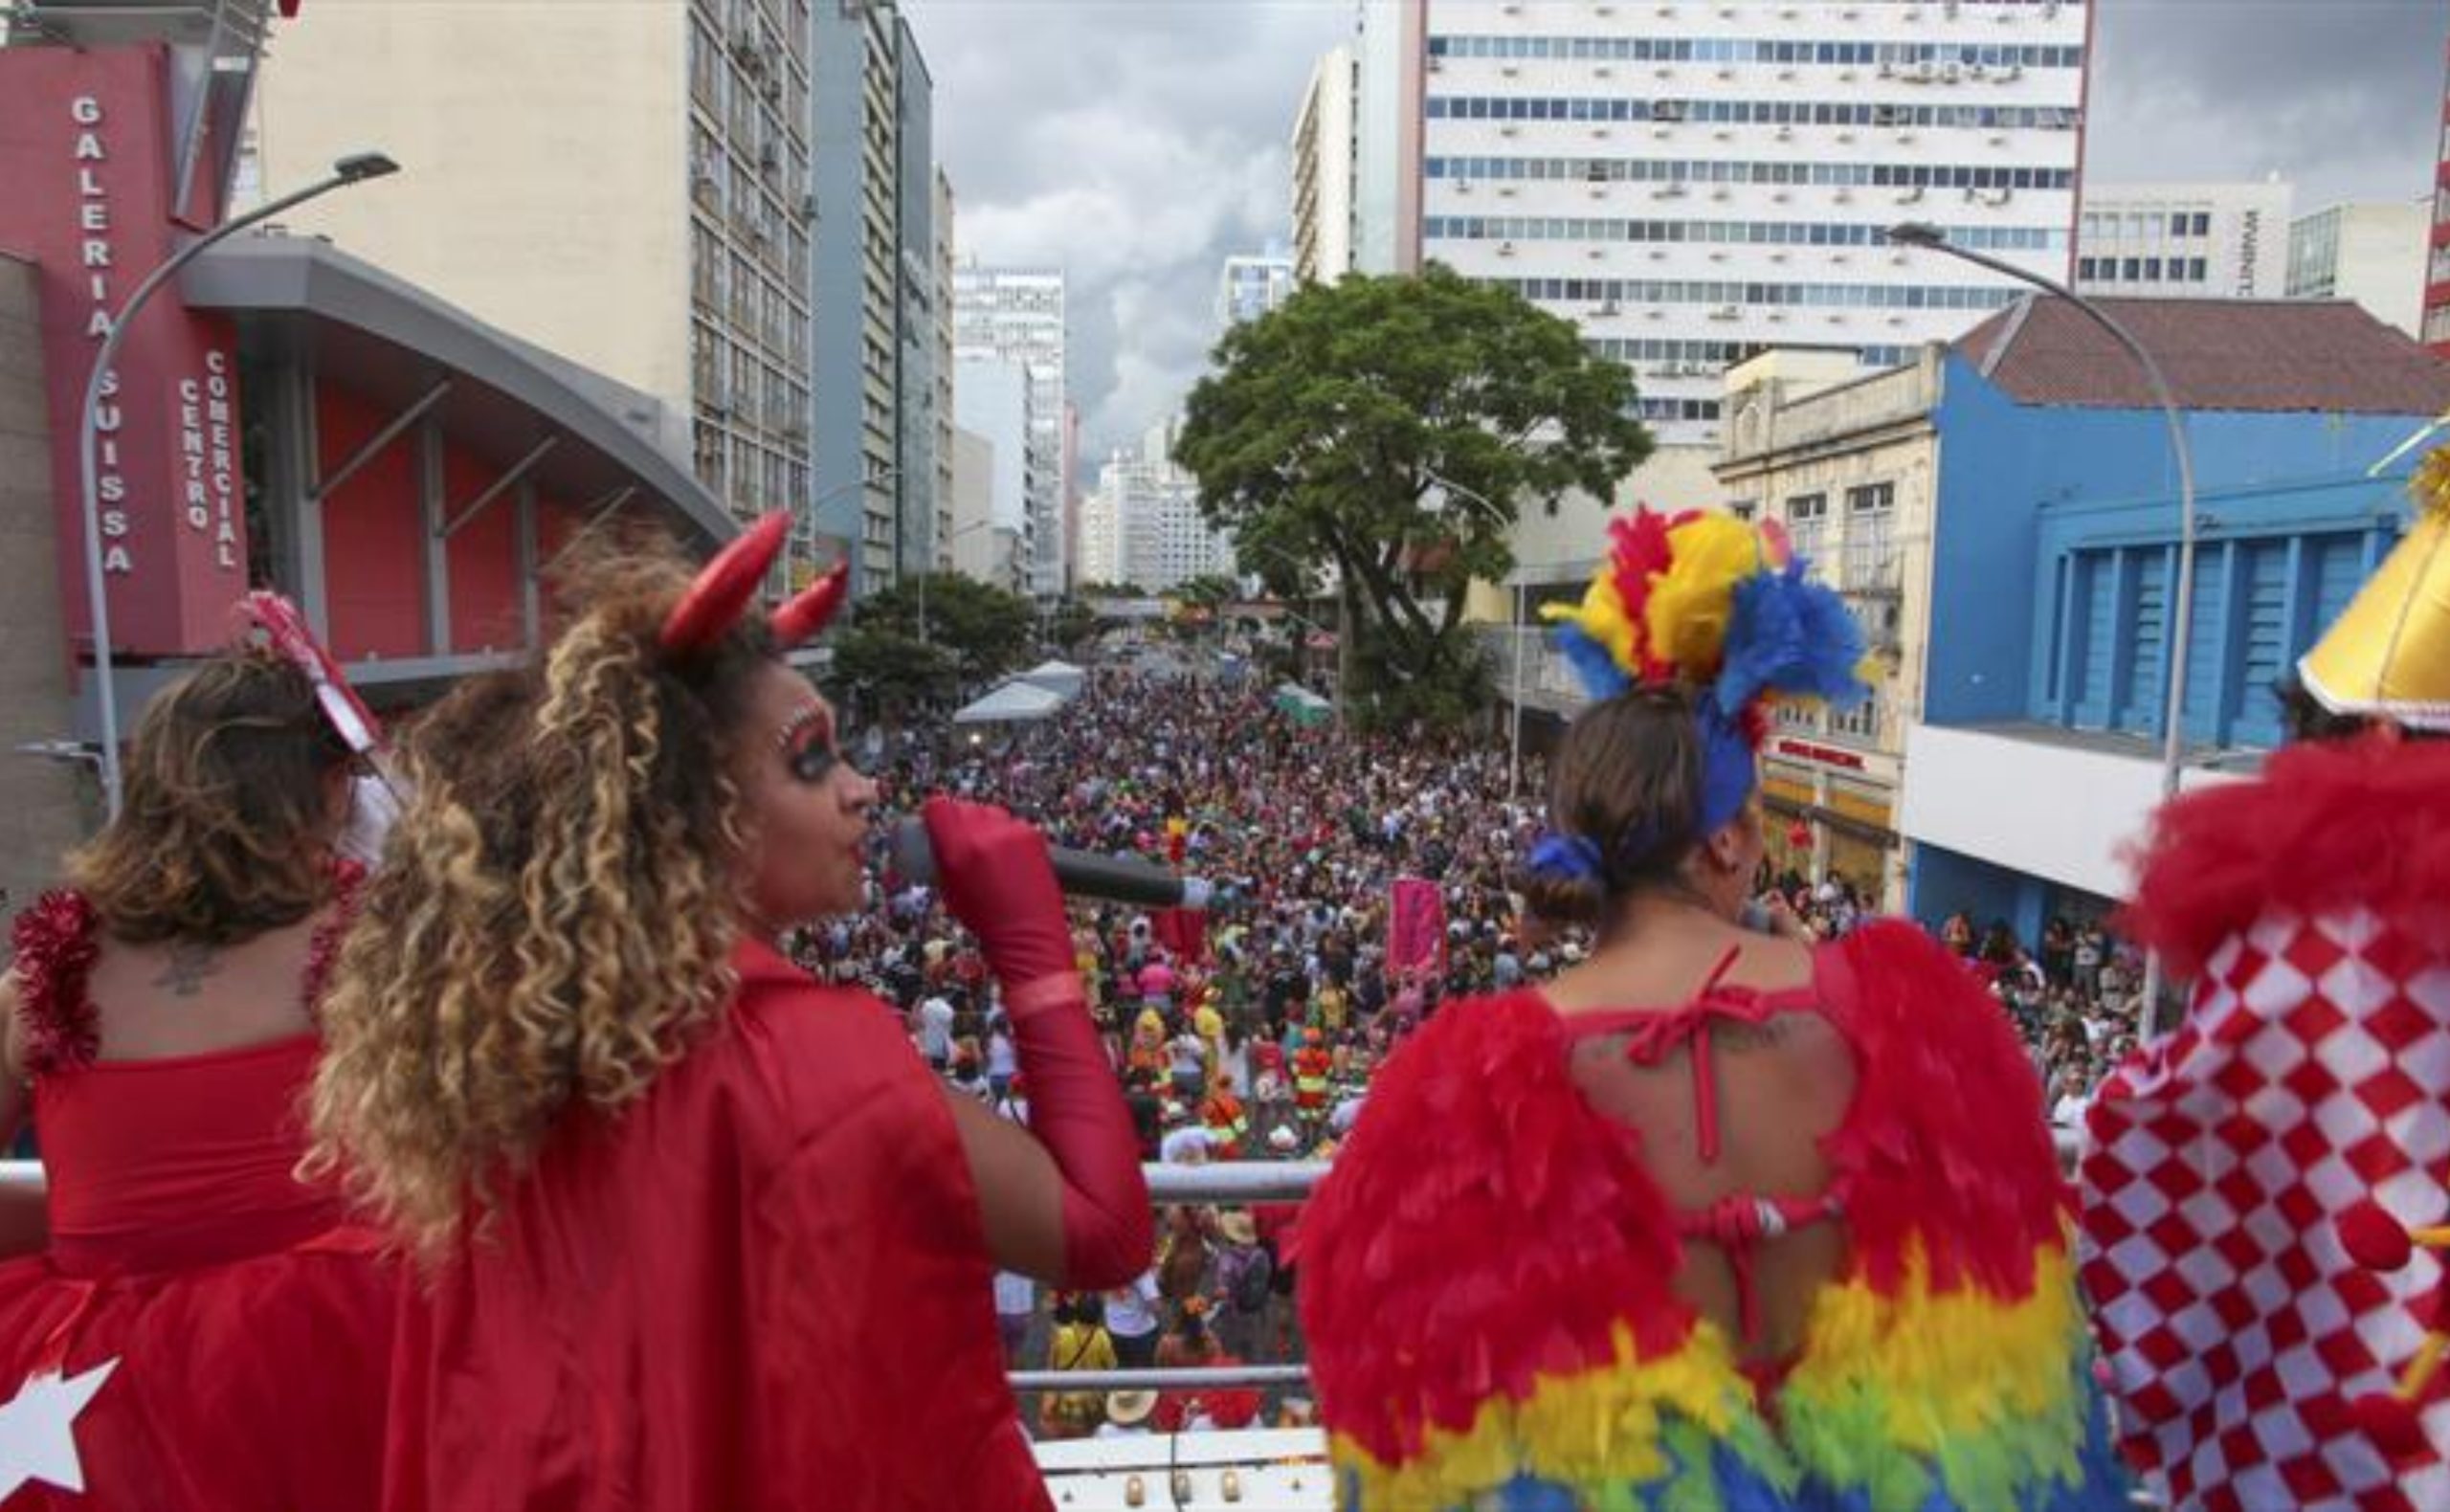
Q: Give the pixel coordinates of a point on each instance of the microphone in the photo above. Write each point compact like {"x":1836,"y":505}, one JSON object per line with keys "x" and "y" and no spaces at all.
{"x":1081,"y":874}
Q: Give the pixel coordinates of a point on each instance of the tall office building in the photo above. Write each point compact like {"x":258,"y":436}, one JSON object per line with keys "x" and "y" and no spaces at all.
{"x":627,"y":185}
{"x":1099,"y":557}
{"x":2204,"y":241}
{"x":994,"y":410}
{"x":1149,"y":524}
{"x":1692,"y":183}
{"x":942,"y":309}
{"x":879,"y":447}
{"x":1017,"y":314}
{"x":2370,"y":254}
{"x":1326,"y":154}
{"x":1253,"y":285}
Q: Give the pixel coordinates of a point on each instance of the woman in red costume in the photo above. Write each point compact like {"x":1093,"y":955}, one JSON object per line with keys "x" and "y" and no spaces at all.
{"x":198,"y":1330}
{"x":697,"y":1232}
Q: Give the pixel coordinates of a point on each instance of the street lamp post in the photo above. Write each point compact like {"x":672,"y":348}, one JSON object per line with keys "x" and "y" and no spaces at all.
{"x":1928,"y":237}
{"x":355,"y":169}
{"x":1522,"y":633}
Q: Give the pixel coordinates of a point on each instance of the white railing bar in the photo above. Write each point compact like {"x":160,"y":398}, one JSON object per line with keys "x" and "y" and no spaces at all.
{"x":1234,"y":1182}
{"x":1161,"y":1380}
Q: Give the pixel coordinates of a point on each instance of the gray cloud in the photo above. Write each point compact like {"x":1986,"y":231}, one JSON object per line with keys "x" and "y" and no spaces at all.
{"x":1138,"y":142}
{"x":2340,"y":97}
{"x":1135,"y":143}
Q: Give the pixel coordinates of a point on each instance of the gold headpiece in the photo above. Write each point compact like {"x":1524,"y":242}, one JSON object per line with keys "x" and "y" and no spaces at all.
{"x":2388,"y":655}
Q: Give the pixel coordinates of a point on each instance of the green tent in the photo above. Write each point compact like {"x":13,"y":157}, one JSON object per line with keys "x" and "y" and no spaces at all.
{"x":1302,"y":705}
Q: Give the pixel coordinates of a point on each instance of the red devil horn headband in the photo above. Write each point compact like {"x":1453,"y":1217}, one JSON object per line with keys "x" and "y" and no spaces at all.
{"x":723,"y":590}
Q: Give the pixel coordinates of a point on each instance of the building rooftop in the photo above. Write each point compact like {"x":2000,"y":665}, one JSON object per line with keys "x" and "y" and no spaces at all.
{"x":2328,"y":356}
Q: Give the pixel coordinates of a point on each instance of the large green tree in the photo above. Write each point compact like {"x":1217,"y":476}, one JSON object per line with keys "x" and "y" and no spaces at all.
{"x":911,"y":642}
{"x":1392,"y":428}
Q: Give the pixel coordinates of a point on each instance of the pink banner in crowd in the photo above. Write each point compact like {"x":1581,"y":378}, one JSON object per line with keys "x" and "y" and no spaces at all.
{"x":1417,"y":936}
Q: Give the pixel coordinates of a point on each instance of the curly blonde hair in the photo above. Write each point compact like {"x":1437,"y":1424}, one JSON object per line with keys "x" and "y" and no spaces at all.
{"x":553,"y":921}
{"x":228,"y":825}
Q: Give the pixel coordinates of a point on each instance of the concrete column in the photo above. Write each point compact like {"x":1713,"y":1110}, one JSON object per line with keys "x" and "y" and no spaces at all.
{"x":47,"y":804}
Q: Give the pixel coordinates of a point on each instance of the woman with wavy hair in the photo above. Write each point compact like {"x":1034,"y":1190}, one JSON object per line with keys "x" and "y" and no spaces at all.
{"x":1716,"y":1217}
{"x":196,"y":1327}
{"x":697,"y":1232}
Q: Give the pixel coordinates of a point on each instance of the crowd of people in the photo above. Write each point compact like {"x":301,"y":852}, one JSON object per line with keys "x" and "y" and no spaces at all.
{"x":1251,"y":1033}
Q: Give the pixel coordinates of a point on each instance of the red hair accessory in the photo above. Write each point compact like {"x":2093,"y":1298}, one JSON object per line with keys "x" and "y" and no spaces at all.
{"x":723,"y":590}
{"x":285,"y":630}
{"x":800,"y":620}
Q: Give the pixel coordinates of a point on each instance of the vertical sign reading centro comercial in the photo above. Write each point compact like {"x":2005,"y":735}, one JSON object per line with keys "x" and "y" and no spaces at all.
{"x":85,"y":152}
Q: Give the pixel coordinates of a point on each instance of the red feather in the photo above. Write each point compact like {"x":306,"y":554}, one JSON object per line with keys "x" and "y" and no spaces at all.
{"x":1948,"y":1143}
{"x":1640,"y":552}
{"x":1479,"y":1229}
{"x":2334,"y":824}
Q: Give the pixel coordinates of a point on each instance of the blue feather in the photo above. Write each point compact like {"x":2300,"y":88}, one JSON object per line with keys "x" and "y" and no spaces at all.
{"x":1788,"y":635}
{"x":1728,"y":766}
{"x":1601,"y":676}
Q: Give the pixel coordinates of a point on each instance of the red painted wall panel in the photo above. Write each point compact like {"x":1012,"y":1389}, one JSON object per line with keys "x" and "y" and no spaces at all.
{"x":372,"y":557}
{"x":483,"y":557}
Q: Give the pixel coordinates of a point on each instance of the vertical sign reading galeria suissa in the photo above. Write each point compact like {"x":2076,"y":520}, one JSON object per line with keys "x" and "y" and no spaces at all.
{"x":85,"y":150}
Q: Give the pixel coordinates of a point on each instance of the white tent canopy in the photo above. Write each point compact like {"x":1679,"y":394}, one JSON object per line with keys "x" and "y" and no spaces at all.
{"x":1055,"y":677}
{"x":1016,"y":702}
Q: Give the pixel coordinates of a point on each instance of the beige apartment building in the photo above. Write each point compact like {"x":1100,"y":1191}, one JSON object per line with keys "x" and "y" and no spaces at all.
{"x":1849,"y":465}
{"x":625,"y":184}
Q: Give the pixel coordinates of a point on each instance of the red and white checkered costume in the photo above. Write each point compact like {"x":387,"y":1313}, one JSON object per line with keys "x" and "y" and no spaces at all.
{"x":2312,"y":1072}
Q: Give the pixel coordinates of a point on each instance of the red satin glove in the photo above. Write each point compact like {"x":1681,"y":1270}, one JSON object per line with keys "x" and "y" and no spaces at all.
{"x":996,"y":877}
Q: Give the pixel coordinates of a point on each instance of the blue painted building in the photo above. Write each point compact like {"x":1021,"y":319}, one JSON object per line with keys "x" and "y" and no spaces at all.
{"x":2053,"y":564}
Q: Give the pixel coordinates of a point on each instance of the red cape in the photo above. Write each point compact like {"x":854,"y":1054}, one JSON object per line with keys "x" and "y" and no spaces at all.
{"x":763,"y":1287}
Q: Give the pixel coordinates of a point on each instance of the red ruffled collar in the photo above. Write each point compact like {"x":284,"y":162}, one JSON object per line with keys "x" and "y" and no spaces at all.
{"x":2330,"y":825}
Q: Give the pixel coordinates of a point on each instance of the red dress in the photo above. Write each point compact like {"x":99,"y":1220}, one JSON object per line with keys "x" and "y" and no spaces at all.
{"x":765,"y":1286}
{"x":251,"y":1330}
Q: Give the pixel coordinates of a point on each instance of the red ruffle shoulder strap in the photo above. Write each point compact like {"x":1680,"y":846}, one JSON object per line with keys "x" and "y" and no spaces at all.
{"x":1480,"y":1228}
{"x":349,"y":882}
{"x":56,"y":946}
{"x":1947,"y":1147}
{"x":2362,"y":823}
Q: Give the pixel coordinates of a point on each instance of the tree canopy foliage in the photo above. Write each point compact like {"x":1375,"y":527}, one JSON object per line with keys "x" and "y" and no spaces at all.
{"x":1392,"y":428}
{"x":975,"y":632}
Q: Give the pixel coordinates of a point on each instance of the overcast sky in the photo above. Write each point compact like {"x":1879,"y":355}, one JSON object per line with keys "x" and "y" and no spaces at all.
{"x":1137,"y":143}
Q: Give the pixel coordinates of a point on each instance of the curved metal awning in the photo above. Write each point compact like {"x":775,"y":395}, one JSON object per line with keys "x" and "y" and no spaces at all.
{"x":393,"y":342}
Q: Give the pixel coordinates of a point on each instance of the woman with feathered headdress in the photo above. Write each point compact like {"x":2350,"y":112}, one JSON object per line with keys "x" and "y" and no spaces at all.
{"x":1717,"y":1218}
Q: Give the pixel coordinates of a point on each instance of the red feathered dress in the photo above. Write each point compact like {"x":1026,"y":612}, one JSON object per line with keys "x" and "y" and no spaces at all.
{"x":1486,"y":1277}
{"x":234,"y":1334}
{"x":2311,"y":910}
{"x":763,"y":1287}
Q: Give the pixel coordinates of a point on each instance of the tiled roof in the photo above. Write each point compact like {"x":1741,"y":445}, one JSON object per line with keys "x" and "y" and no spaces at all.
{"x":2328,"y":356}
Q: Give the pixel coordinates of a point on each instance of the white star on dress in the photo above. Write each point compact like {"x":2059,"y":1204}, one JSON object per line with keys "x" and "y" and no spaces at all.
{"x":37,"y":1428}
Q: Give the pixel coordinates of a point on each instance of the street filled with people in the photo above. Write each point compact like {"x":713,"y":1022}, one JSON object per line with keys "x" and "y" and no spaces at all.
{"x":1249,"y":1030}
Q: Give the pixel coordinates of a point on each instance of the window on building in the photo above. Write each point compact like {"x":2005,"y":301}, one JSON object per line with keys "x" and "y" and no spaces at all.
{"x":1871,"y":538}
{"x":1808,"y":523}
{"x":1861,"y":722}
